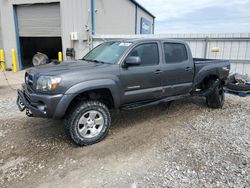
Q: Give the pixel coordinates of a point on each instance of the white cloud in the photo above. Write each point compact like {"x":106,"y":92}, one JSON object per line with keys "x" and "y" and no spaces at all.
{"x":182,"y":11}
{"x":165,"y":9}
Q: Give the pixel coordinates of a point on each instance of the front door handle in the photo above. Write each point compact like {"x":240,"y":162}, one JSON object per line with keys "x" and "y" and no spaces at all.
{"x":158,"y":72}
{"x":188,"y":69}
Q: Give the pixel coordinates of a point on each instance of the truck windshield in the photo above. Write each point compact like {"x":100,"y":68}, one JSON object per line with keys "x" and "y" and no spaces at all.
{"x":108,"y":52}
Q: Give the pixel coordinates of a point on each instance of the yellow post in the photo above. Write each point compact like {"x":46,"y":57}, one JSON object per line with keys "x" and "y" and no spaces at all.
{"x":60,"y":56}
{"x":14,"y":60}
{"x":2,"y":60}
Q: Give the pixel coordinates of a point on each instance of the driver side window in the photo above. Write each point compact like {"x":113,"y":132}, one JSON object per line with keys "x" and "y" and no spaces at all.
{"x":149,"y":54}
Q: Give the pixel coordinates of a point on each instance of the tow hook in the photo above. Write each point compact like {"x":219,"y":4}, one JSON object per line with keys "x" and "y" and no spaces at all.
{"x":208,"y":91}
{"x":28,"y":112}
{"x":20,"y":104}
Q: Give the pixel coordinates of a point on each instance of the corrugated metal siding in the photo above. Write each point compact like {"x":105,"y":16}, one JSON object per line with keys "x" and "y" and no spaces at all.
{"x":1,"y":39}
{"x":75,"y":17}
{"x":8,"y":31}
{"x":39,"y":20}
{"x":114,"y":17}
{"x":233,"y":46}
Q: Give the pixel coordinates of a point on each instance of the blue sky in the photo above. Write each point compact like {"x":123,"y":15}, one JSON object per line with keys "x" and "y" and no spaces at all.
{"x":199,"y":16}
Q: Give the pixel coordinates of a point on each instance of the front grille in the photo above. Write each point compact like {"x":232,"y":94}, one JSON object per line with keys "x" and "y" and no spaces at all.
{"x":27,"y":95}
{"x":27,"y":92}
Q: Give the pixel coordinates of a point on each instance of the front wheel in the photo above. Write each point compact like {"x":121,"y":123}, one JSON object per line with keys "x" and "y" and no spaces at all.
{"x":88,"y":123}
{"x":216,"y":99}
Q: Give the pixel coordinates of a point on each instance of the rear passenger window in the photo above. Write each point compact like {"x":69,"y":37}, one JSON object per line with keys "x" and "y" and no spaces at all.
{"x":148,"y":53}
{"x":175,"y":53}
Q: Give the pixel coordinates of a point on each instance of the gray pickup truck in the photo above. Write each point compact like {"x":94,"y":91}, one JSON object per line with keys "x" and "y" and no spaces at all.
{"x":124,"y":75}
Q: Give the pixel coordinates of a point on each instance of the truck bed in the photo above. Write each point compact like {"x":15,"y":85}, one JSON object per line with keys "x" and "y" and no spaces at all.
{"x":204,"y":60}
{"x":212,"y":67}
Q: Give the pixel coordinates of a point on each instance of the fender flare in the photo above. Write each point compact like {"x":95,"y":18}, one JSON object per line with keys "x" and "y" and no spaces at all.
{"x":82,"y":87}
{"x":205,"y":72}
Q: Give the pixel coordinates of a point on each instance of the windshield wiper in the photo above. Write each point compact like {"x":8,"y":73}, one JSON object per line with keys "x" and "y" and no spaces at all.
{"x":98,"y":61}
{"x":85,"y":59}
{"x":93,"y":60}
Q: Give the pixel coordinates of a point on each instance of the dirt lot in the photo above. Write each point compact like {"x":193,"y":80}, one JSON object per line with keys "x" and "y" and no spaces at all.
{"x":185,"y":145}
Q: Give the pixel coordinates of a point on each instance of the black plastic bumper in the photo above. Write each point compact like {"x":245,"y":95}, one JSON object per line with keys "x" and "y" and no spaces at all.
{"x":38,"y":105}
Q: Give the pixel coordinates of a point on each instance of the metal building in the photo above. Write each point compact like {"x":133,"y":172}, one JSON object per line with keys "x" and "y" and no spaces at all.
{"x":49,"y":26}
{"x":1,"y":39}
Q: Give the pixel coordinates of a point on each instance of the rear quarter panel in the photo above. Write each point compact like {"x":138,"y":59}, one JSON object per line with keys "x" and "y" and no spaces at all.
{"x":218,"y":68}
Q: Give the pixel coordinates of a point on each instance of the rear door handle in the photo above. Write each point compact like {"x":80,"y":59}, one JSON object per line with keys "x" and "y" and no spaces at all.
{"x":158,"y":72}
{"x":188,"y":68}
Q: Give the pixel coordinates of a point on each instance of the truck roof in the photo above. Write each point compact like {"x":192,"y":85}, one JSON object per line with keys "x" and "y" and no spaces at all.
{"x":150,"y":39}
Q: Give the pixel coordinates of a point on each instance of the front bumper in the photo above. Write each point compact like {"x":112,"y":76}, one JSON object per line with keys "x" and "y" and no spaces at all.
{"x":38,"y":105}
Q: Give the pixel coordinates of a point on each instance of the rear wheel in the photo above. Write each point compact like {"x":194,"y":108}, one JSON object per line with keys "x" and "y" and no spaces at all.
{"x":216,"y":99}
{"x":88,"y":123}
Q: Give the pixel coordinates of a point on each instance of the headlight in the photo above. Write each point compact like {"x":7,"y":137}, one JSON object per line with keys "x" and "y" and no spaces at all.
{"x":47,"y":83}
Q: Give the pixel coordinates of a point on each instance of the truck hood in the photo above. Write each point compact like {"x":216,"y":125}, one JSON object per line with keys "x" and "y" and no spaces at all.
{"x":65,"y":67}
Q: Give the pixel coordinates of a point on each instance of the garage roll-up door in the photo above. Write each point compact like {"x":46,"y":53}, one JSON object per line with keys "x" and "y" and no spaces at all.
{"x":39,"y":20}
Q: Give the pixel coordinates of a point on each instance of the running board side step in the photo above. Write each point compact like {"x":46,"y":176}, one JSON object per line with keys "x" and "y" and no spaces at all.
{"x":155,"y":102}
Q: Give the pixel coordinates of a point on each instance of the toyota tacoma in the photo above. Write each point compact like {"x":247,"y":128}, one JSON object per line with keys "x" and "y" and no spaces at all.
{"x":122,"y":75}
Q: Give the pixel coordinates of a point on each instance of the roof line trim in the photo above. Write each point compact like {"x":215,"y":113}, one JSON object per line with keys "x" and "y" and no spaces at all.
{"x":139,"y":5}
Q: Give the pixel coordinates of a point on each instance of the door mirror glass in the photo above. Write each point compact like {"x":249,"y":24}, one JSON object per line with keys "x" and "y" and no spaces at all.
{"x":133,"y":60}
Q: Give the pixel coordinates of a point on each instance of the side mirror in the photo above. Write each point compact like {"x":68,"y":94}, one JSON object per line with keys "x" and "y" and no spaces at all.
{"x":132,"y":61}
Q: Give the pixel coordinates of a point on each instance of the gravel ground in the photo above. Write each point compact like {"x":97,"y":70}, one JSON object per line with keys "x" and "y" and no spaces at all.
{"x":185,"y":145}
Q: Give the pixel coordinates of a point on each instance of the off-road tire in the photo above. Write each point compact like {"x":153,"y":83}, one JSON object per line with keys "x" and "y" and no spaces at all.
{"x":239,"y":87}
{"x":74,"y":115}
{"x":216,"y":99}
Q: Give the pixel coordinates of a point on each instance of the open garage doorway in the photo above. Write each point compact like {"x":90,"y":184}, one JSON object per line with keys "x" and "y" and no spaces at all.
{"x":46,"y":45}
{"x":39,"y":30}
